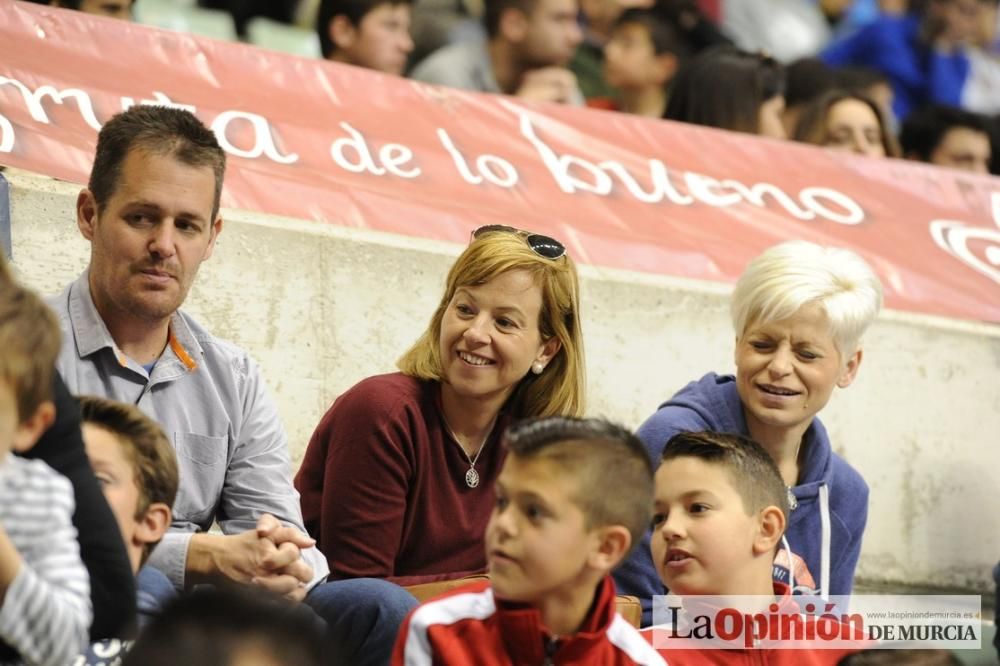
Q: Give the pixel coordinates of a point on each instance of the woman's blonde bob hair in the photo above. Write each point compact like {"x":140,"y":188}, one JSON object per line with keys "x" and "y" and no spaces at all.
{"x":559,"y":390}
{"x":788,"y":276}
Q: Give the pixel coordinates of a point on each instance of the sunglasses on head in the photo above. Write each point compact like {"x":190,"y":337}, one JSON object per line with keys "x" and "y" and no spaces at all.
{"x":544,"y":246}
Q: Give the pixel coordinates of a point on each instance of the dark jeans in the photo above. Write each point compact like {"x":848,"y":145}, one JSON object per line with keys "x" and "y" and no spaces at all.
{"x":153,"y":591}
{"x":363,"y":616}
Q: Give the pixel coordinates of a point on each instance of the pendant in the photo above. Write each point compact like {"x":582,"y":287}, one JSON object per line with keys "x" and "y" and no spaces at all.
{"x":472,"y":477}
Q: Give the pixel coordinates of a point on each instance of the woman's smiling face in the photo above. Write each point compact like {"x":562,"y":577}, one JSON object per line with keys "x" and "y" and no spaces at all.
{"x":490,"y":336}
{"x":786,"y":370}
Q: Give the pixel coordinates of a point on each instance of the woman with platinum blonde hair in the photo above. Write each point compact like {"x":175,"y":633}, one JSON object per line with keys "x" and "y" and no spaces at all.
{"x":397,"y":480}
{"x":799,"y":311}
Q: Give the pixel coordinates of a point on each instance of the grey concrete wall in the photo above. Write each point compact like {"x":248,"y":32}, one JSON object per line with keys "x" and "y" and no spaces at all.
{"x":321,"y":307}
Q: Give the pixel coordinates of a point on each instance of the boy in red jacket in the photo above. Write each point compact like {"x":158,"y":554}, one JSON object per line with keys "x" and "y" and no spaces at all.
{"x":573,"y":497}
{"x":719,"y":511}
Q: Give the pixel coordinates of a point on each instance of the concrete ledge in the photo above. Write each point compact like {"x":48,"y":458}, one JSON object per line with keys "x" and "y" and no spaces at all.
{"x":321,"y":307}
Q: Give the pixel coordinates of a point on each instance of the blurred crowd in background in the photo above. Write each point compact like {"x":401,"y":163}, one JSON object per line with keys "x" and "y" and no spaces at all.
{"x":918,"y":79}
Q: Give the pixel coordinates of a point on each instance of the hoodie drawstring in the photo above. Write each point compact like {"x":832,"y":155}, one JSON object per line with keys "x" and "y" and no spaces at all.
{"x":824,"y":519}
{"x":825,"y":537}
{"x":791,"y":567}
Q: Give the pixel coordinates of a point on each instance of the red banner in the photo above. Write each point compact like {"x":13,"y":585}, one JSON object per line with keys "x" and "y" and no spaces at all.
{"x":333,"y":143}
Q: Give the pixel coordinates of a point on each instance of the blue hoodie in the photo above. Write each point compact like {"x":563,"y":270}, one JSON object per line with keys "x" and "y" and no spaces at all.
{"x":824,"y":531}
{"x":918,"y":74}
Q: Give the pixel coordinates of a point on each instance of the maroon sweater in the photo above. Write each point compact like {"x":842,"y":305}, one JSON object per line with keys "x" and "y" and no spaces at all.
{"x":383,"y":486}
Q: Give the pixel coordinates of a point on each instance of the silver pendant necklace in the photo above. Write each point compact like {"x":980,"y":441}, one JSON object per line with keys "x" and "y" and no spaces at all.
{"x":471,"y":475}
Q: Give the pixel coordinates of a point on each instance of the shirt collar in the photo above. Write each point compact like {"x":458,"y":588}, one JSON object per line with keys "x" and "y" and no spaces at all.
{"x":92,"y":335}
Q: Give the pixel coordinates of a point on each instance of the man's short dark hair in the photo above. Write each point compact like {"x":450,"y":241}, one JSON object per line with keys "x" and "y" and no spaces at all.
{"x":666,"y":35}
{"x":752,"y":471}
{"x":353,"y":10}
{"x":806,"y":79}
{"x":613,"y":473}
{"x":924,"y":129}
{"x":158,"y":130}
{"x":494,"y":9}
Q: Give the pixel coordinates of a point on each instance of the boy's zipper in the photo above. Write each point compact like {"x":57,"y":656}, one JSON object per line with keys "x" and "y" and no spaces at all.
{"x":551,"y":647}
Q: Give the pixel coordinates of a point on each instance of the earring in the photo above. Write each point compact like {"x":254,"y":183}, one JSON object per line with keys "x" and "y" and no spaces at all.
{"x":537,"y":367}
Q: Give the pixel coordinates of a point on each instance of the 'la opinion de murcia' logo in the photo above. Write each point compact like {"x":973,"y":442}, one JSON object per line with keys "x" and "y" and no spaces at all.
{"x":953,"y":237}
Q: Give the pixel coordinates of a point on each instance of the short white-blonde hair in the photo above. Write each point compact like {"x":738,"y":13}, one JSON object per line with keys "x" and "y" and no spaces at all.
{"x":788,"y":276}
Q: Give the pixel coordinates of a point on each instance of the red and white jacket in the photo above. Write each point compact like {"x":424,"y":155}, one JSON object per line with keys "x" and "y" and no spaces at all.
{"x":469,"y":626}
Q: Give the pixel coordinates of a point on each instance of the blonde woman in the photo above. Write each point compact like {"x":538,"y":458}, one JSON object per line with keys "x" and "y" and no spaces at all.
{"x":397,"y":480}
{"x":798,"y":311}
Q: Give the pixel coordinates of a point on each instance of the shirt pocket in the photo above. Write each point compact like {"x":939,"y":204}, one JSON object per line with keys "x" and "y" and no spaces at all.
{"x":201,"y":461}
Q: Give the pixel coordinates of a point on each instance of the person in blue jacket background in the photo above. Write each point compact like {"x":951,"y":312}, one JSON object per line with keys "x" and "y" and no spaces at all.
{"x":799,"y":311}
{"x":922,"y":52}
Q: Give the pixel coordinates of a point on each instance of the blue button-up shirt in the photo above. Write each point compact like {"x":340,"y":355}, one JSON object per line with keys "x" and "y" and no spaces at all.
{"x":208,"y":396}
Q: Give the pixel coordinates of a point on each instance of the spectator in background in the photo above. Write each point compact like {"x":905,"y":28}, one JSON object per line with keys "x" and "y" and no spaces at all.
{"x":374,"y":34}
{"x":242,"y":11}
{"x":119,"y":9}
{"x":849,"y":121}
{"x":875,"y":85}
{"x":731,"y":89}
{"x":438,"y":23}
{"x":695,"y":21}
{"x":922,"y":52}
{"x":599,"y":19}
{"x":848,"y":16}
{"x":994,"y":125}
{"x":982,"y":89}
{"x":641,"y":59}
{"x":948,"y":137}
{"x":805,"y":80}
{"x":808,"y":78}
{"x":529,"y":44}
{"x":784,"y":29}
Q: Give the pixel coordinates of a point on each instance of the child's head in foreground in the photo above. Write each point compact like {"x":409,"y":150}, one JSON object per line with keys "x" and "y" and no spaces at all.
{"x":720,"y":508}
{"x":29,"y":344}
{"x":133,"y":460}
{"x":225,"y":625}
{"x":573,"y":498}
{"x":907,"y":657}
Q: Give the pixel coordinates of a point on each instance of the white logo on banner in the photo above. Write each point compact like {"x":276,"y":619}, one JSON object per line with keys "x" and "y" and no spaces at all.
{"x":953,"y":237}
